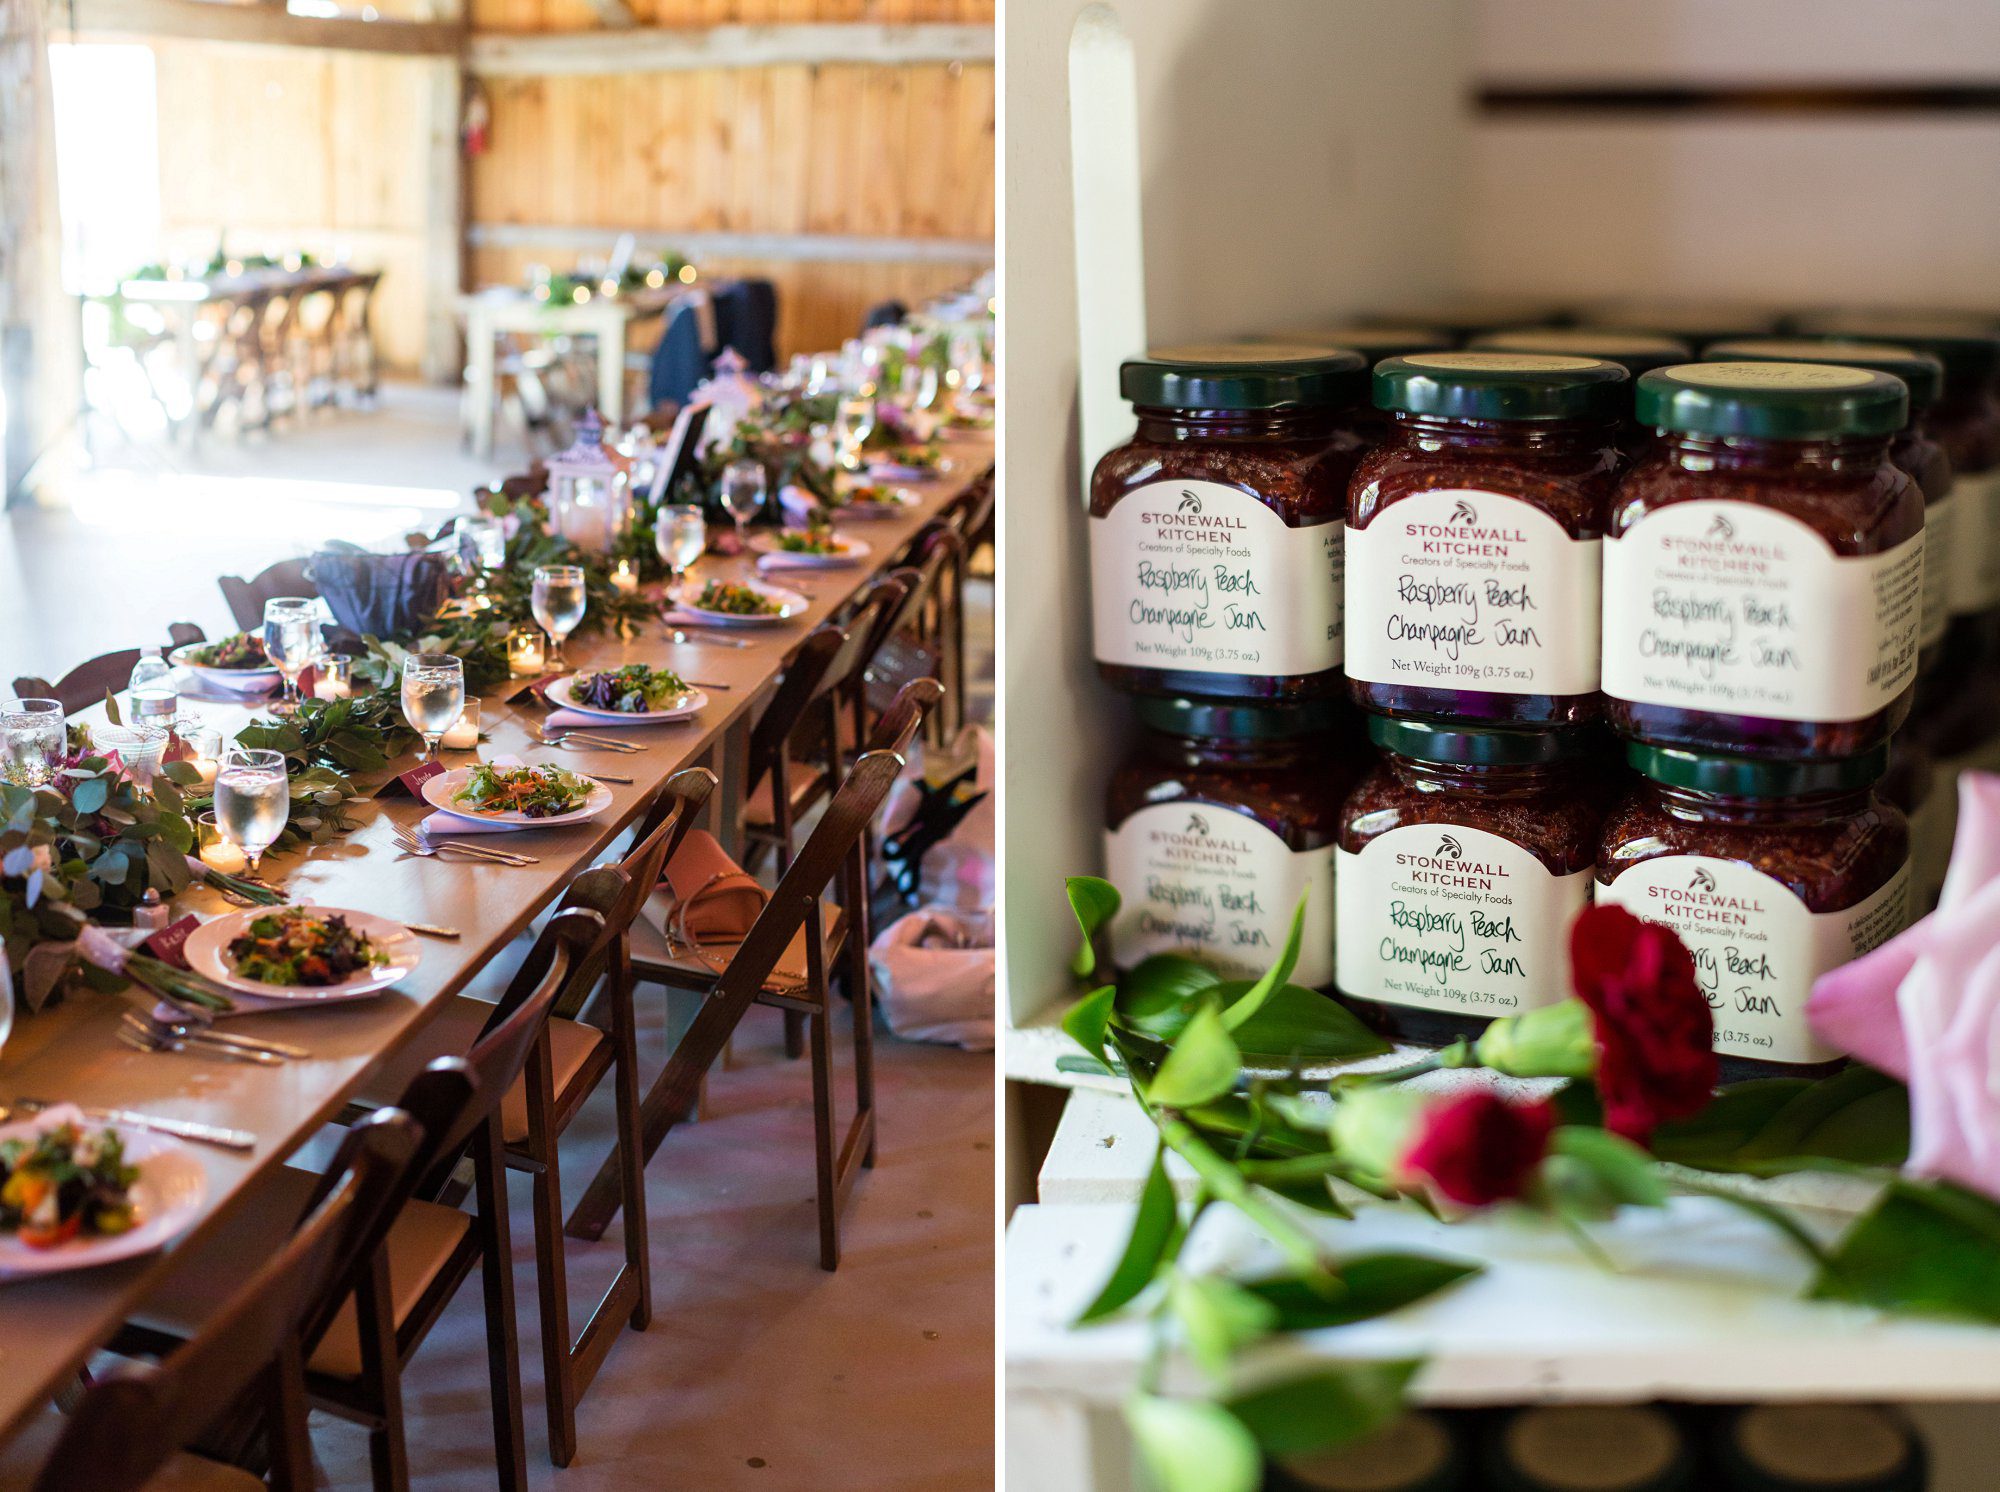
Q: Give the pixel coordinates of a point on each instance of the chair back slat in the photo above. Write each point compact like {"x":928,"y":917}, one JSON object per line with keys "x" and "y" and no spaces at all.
{"x":794,"y":695}
{"x":866,"y":625}
{"x":246,"y":598}
{"x":86,"y":684}
{"x":899,"y":724}
{"x":128,"y":1427}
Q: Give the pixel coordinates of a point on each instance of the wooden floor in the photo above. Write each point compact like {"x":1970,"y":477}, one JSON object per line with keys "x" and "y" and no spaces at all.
{"x":759,"y":1370}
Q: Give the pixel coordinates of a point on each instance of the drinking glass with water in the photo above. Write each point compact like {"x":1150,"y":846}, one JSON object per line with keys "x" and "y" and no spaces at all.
{"x":253,"y":797}
{"x":291,"y":640}
{"x":33,"y":734}
{"x":558,"y":601}
{"x":433,"y":695}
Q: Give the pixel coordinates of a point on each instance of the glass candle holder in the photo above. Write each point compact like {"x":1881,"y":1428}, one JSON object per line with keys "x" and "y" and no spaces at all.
{"x":214,"y":850}
{"x":333,"y":678}
{"x":527,"y":653}
{"x":464,"y":736}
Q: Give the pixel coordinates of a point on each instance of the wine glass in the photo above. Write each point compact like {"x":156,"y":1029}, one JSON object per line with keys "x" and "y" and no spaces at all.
{"x":742,"y":491}
{"x":484,"y":539}
{"x":32,"y":737}
{"x":853,"y":423}
{"x":558,"y":601}
{"x":433,"y":696}
{"x":680,"y":534}
{"x":291,"y":640}
{"x":252,"y":799}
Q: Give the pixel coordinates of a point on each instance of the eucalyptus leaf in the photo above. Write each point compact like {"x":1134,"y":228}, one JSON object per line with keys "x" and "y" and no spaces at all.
{"x":1188,"y":1445}
{"x":1095,"y":902}
{"x":1153,"y":1228}
{"x":1372,"y":1285}
{"x":1925,"y":1247}
{"x":91,"y":795}
{"x":1202,"y":1065}
{"x":182,"y":774}
{"x":1327,"y":1407}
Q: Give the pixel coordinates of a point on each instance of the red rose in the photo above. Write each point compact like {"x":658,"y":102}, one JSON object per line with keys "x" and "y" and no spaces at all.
{"x":1655,"y":1035}
{"x":1477,"y":1148}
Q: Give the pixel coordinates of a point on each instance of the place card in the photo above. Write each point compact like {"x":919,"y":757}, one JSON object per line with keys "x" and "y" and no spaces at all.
{"x":535,"y":691}
{"x":169,"y":944}
{"x":411,"y":783}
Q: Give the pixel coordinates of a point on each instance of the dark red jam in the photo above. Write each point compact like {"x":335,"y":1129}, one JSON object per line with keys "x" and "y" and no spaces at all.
{"x":1219,"y":822}
{"x":1635,"y":352}
{"x":1215,"y":531}
{"x":1772,"y":872}
{"x":1912,"y":448}
{"x":1464,"y":856}
{"x":1763,"y":569}
{"x":1474,"y":536}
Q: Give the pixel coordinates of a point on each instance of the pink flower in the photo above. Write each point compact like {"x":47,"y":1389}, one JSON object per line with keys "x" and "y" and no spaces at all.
{"x":1925,"y":1006}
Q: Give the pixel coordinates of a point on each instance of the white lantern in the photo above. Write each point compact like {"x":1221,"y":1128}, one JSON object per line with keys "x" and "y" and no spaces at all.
{"x":589,"y":496}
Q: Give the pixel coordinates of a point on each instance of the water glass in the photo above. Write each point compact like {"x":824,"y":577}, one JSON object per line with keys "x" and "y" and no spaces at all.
{"x":558,"y":600}
{"x":253,"y":800}
{"x":742,"y":491}
{"x":140,"y":746}
{"x":33,"y":735}
{"x":680,"y":534}
{"x":291,"y":640}
{"x":853,"y":424}
{"x":433,"y":695}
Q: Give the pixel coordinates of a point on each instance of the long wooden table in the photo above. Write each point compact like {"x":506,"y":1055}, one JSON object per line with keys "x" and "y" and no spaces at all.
{"x":49,"y":1327}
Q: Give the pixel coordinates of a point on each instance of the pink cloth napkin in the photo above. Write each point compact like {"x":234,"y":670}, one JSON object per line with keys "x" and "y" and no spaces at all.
{"x":444,"y":825}
{"x":788,"y":561}
{"x":577,"y":720}
{"x":896,"y":471}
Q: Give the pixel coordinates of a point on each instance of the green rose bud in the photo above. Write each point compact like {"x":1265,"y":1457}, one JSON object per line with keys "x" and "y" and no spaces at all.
{"x":1551,"y":1041}
{"x":1372,"y":1126}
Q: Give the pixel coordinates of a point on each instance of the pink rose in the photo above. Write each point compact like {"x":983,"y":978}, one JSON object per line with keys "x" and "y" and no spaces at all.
{"x":1925,"y":1006}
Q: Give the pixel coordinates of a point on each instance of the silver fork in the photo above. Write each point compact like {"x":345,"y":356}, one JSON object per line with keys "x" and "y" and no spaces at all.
{"x":690,"y":639}
{"x":140,"y":1039}
{"x":411,"y":844}
{"x":148,"y":1024}
{"x":586,"y":742}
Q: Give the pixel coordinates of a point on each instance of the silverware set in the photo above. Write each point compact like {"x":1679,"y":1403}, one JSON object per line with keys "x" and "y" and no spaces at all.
{"x":585,"y":741}
{"x":704,"y":640}
{"x":180,"y":1129}
{"x":415,"y":844}
{"x":148,"y":1033}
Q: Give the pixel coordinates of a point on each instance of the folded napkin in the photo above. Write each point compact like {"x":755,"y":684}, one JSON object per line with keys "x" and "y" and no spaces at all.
{"x":444,"y":825}
{"x":577,"y":720}
{"x":797,"y":502}
{"x":785,"y":560}
{"x":896,"y":471}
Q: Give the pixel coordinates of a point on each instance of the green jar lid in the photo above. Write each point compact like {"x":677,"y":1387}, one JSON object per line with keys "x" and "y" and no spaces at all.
{"x":1414,"y":1452}
{"x":1921,"y":372}
{"x":1475,"y":745}
{"x":1219,"y":720}
{"x":1820,"y":1448}
{"x":1590,"y":1448}
{"x":1374,"y":342}
{"x":1475,"y":385}
{"x":1635,"y":352}
{"x":1689,"y":322}
{"x":1747,"y":777}
{"x":1775,"y":401}
{"x":1968,"y":347}
{"x":1245,"y":375}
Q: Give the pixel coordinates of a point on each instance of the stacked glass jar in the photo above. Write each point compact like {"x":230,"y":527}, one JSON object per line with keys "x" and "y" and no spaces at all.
{"x":1216,"y":560}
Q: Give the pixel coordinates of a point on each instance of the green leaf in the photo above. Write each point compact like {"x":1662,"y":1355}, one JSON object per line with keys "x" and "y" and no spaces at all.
{"x":1273,"y":979}
{"x":111,"y":707}
{"x":1925,"y":1247}
{"x":182,"y":774}
{"x":1301,"y":1025}
{"x":1374,"y":1285}
{"x":1153,"y":1227}
{"x":1327,"y":1407}
{"x":1086,"y":1020}
{"x":91,"y":795}
{"x":1095,"y":903}
{"x":1218,"y":1319}
{"x":1202,"y":1065}
{"x":1594,"y":1172}
{"x":1858,"y":1115}
{"x":1191,"y":1446}
{"x":1158,"y":995}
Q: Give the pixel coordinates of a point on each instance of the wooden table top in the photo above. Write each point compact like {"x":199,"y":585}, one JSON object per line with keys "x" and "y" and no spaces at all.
{"x":49,"y":1326}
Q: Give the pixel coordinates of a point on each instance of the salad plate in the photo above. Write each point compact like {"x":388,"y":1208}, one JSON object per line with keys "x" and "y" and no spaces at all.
{"x":819,"y":549}
{"x":873,"y":500}
{"x":751,"y":603}
{"x":141,"y":1191}
{"x":636,"y":694}
{"x":321,"y":954}
{"x":537,"y":797}
{"x":236,"y":663}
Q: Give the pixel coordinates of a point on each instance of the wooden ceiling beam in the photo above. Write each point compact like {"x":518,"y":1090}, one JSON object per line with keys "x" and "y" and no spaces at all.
{"x":663,"y":49}
{"x":267,"y":24}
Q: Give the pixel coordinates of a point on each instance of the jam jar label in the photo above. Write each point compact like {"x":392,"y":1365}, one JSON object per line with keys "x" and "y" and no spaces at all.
{"x":1975,"y":550}
{"x":1199,"y":576}
{"x":1206,"y":880}
{"x":1757,"y":948}
{"x":1453,"y":918}
{"x":1739,"y":609}
{"x":1941,"y":538}
{"x":1469,"y":590}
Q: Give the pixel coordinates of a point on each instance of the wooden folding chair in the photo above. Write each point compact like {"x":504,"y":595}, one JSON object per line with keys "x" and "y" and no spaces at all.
{"x":246,"y":598}
{"x":238,"y":1384}
{"x":805,"y":930}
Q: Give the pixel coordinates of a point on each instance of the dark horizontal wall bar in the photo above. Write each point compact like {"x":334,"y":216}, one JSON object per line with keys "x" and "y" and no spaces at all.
{"x":1775,"y":98}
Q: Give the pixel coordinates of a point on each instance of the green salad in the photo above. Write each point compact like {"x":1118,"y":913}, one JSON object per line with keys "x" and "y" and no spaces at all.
{"x":66,"y":1181}
{"x":815,"y":538}
{"x":634,"y":689}
{"x":535,"y":792}
{"x":737,"y":600}
{"x":238,"y":650}
{"x":298,"y":946}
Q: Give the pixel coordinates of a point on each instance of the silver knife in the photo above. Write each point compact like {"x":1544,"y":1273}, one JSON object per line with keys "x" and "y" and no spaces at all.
{"x":180,"y":1129}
